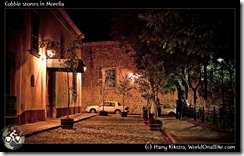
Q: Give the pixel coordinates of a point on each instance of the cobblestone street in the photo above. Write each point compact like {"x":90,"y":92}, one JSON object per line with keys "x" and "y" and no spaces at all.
{"x":111,"y":129}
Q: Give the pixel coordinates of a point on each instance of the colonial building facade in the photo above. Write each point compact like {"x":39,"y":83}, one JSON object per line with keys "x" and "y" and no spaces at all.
{"x":37,"y":93}
{"x":106,"y":57}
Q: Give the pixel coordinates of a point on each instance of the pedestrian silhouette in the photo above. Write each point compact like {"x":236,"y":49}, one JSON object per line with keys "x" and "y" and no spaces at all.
{"x":179,"y":104}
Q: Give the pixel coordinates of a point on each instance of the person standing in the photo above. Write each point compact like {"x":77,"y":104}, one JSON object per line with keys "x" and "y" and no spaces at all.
{"x":179,"y":109}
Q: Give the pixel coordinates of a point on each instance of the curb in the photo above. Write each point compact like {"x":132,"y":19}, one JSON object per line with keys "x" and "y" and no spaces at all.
{"x":40,"y":131}
{"x":169,"y":135}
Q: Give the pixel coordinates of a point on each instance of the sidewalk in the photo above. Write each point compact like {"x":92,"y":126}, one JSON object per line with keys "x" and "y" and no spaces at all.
{"x":185,"y":131}
{"x":37,"y":127}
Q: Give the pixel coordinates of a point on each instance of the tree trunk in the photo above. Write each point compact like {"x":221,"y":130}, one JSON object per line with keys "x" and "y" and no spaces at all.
{"x":103,"y":97}
{"x":195,"y":104}
{"x":195,"y":97}
{"x":148,"y":105}
{"x":185,"y":84}
{"x":205,"y":84}
{"x":180,"y":90}
{"x":123,"y":103}
{"x":68,"y":95}
{"x":154,"y":109}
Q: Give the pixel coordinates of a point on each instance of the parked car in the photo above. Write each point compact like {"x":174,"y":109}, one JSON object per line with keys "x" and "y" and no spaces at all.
{"x":109,"y":106}
{"x":168,"y":109}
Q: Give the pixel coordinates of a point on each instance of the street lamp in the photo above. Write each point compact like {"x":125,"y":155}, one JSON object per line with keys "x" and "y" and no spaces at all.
{"x":220,"y":60}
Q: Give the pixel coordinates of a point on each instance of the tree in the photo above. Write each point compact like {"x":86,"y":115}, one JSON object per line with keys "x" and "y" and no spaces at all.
{"x":216,"y":72}
{"x":158,"y":35}
{"x":149,"y":84}
{"x":189,"y":32}
{"x":194,"y":81}
{"x":107,"y":81}
{"x":71,"y":63}
{"x":124,"y":89}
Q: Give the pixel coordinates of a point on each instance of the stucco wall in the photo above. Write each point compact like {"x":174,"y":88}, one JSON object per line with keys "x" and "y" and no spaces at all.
{"x":32,"y":100}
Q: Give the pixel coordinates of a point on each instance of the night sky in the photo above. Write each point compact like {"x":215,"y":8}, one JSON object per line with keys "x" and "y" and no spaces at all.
{"x":94,"y":28}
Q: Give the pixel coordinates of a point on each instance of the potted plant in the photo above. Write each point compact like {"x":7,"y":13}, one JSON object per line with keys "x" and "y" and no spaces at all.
{"x":102,"y":112}
{"x":155,"y":124}
{"x":124,"y":89}
{"x":67,"y":123}
{"x":70,"y":64}
{"x":148,"y":89}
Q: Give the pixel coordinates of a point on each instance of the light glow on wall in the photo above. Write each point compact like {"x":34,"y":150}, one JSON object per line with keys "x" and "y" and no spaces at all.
{"x":84,"y":68}
{"x":42,"y":57}
{"x":133,"y":76}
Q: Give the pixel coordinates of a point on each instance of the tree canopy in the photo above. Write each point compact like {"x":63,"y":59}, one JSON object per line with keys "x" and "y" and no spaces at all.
{"x":167,"y":41}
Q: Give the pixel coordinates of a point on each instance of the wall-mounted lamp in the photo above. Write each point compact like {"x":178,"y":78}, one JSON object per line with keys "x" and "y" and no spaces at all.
{"x":51,"y":52}
{"x":51,"y":48}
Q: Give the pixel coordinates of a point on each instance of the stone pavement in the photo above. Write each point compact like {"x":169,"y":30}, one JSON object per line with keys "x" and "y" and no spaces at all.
{"x":186,"y":131}
{"x":179,"y":131}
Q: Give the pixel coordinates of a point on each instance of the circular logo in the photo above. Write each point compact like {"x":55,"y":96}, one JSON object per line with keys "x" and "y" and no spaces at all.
{"x":13,"y":137}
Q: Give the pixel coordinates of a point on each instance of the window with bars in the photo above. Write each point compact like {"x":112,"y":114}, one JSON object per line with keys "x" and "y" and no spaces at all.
{"x":35,"y":32}
{"x":107,"y":77}
{"x":110,"y":75}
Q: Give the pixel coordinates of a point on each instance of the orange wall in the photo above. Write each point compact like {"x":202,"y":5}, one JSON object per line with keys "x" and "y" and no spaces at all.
{"x":18,"y":44}
{"x":98,"y":55}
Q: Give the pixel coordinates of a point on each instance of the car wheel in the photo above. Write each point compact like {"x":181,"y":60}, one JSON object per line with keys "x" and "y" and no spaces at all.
{"x":92,"y":111}
{"x":117,"y":112}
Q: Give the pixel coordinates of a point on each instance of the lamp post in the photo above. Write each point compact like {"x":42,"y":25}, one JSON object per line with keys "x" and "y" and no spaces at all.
{"x":220,"y":60}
